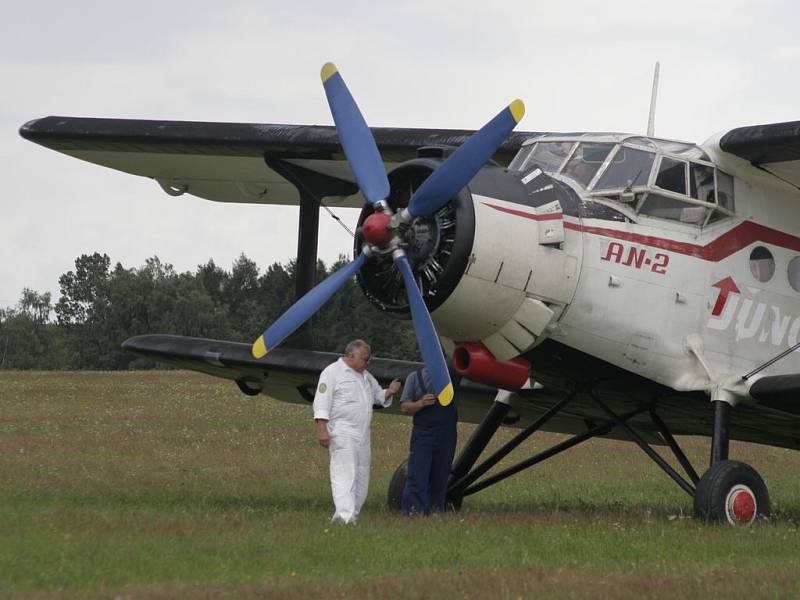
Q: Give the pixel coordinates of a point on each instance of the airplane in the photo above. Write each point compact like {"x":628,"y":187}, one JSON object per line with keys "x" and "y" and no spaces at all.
{"x":593,"y":284}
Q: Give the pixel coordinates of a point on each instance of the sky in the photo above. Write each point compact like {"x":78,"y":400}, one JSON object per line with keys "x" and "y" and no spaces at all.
{"x":579,"y":66}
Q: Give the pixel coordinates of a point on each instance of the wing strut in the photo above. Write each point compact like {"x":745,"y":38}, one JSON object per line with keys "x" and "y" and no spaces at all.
{"x":312,"y":187}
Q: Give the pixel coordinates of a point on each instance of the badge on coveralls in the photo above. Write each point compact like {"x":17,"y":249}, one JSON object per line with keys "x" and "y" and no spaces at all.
{"x":323,"y":388}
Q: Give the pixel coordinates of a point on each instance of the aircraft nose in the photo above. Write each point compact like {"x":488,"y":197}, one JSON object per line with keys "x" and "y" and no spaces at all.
{"x":526,"y":254}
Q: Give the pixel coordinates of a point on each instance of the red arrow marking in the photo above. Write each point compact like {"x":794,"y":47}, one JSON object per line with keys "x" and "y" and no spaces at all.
{"x":726,"y":286}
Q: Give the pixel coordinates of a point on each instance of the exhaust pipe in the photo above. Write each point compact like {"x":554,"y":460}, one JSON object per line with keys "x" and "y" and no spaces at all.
{"x":475,"y":362}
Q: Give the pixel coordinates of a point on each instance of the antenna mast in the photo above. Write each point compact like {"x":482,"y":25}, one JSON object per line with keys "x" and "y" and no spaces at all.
{"x":651,"y":120}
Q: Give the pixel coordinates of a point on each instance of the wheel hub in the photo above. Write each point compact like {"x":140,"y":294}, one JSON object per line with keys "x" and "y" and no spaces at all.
{"x":740,"y":505}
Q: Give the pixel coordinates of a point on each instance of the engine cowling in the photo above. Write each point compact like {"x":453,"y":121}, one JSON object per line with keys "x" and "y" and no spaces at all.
{"x":438,"y":246}
{"x":495,"y":265}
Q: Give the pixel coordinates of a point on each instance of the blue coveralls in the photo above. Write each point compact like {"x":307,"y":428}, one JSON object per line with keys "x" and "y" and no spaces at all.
{"x":433,"y":445}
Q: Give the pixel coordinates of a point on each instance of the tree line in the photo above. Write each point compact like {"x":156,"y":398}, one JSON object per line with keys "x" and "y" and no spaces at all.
{"x":100,"y":306}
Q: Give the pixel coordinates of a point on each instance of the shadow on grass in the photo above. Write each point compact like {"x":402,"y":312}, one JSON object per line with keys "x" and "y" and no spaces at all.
{"x":581,"y":509}
{"x":178,"y":500}
{"x":594,"y":511}
{"x":207,"y":501}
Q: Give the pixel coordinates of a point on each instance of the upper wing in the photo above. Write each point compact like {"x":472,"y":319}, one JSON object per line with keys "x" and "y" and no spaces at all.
{"x":237,"y":162}
{"x":291,"y":375}
{"x":774,"y":147}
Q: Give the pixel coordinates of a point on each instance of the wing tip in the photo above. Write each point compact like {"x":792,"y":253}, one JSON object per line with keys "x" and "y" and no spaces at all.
{"x":328,"y":71}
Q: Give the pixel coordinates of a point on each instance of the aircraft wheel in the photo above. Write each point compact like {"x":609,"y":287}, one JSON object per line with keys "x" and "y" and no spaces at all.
{"x":397,"y":485}
{"x":247,"y":388}
{"x":731,"y":492}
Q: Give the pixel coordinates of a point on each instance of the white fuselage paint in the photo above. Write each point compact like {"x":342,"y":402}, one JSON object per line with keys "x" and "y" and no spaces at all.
{"x":635,"y":294}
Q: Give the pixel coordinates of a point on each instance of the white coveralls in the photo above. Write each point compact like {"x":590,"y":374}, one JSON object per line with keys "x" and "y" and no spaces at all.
{"x":345,"y":397}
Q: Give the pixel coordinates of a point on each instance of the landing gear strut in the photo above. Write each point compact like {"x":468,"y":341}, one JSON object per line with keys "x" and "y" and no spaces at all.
{"x":730,"y":491}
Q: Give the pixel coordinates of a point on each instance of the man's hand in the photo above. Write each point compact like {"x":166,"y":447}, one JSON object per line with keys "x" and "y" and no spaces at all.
{"x":427,"y":400}
{"x":393,"y":388}
{"x":411,"y":408}
{"x":323,"y":437}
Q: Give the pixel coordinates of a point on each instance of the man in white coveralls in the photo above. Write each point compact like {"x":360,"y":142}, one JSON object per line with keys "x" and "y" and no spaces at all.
{"x":343,"y":404}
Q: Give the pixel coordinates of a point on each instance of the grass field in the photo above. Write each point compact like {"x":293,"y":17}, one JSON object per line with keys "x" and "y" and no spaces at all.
{"x":173,"y":484}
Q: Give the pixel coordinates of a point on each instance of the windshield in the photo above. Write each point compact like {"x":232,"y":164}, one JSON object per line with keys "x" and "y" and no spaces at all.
{"x":631,"y":168}
{"x":658,"y":178}
{"x":549,"y":156}
{"x":586,"y":162}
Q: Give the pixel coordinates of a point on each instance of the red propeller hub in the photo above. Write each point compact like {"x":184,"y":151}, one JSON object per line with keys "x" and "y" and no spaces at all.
{"x":376,"y":229}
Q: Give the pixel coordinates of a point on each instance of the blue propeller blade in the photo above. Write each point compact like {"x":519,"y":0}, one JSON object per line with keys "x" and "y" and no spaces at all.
{"x":426,"y":334}
{"x":356,"y":138}
{"x":456,"y":172}
{"x":302,"y":310}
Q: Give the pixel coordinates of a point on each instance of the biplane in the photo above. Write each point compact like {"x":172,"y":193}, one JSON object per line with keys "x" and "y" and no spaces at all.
{"x":593,"y":284}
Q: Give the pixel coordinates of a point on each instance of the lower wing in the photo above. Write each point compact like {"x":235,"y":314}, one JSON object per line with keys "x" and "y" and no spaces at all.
{"x":290,"y":375}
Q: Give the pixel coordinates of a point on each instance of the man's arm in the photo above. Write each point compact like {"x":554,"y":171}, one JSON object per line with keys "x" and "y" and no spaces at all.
{"x":323,"y":437}
{"x":411,"y":407}
{"x":322,"y":406}
{"x":380,"y":396}
{"x":414,"y":389}
{"x":393,"y":388}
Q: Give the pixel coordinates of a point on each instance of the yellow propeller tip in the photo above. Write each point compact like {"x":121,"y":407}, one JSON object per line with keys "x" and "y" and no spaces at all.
{"x":328,"y":71}
{"x":259,"y":348}
{"x":446,"y":395}
{"x":517,"y":108}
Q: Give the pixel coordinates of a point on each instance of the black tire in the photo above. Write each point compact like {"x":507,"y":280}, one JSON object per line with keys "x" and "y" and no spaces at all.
{"x":248,"y":388}
{"x":397,"y":485}
{"x":731,"y":492}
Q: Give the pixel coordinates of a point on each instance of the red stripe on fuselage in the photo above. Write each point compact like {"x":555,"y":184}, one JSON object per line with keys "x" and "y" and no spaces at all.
{"x":728,"y":243}
{"x":521,"y":213}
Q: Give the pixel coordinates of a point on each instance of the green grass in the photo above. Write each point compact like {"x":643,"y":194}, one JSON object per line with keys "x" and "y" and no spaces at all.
{"x":166,"y":484}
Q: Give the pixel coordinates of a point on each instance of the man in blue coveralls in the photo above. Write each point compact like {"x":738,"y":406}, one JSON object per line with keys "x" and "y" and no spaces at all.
{"x":433,"y":445}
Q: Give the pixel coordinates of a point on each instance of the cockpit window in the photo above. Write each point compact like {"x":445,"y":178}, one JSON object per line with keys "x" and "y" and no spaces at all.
{"x":672,"y":175}
{"x":548,"y":155}
{"x":651,"y":177}
{"x":666,"y":207}
{"x":586,"y":161}
{"x":710,"y":192}
{"x":701,"y":182}
{"x":725,"y":190}
{"x":519,"y":160}
{"x":630,"y":168}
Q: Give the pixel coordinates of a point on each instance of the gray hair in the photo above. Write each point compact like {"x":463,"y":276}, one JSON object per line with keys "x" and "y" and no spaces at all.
{"x":355,"y":345}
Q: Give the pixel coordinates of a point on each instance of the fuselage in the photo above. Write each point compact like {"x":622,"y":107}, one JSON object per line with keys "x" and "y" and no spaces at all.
{"x":672,"y":261}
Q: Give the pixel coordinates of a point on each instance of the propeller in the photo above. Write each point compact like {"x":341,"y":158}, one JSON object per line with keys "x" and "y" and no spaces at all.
{"x":382,"y":230}
{"x":357,"y":142}
{"x":301,"y":311}
{"x":456,"y":172}
{"x":426,"y":333}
